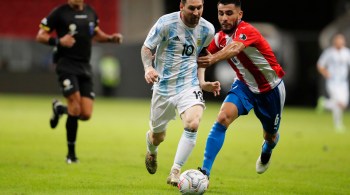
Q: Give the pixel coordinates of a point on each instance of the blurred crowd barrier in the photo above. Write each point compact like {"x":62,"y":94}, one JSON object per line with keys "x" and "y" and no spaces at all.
{"x":30,"y":69}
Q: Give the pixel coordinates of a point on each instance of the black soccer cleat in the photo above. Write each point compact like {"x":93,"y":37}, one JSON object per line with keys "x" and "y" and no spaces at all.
{"x":203,"y":171}
{"x":70,"y":159}
{"x":55,"y":115}
{"x":151,"y":163}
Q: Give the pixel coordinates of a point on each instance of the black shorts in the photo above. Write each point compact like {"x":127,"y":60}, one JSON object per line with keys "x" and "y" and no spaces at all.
{"x":70,"y":83}
{"x":73,"y":76}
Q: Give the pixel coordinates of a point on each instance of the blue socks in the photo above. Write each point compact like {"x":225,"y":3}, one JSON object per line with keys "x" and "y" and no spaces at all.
{"x":267,"y":147}
{"x":214,"y":143}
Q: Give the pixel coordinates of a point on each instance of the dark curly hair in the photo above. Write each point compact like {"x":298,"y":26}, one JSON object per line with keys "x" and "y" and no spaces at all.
{"x":225,"y":2}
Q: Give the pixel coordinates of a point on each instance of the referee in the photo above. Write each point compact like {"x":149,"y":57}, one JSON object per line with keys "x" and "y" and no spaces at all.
{"x":76,"y":27}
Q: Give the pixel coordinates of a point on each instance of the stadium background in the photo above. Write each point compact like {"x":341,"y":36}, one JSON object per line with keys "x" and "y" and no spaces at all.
{"x":296,"y":30}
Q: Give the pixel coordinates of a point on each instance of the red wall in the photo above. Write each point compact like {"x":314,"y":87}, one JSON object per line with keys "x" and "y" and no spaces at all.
{"x":21,"y":18}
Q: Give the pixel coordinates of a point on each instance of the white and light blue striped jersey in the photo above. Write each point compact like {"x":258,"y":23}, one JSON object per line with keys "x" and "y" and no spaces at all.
{"x":177,"y":48}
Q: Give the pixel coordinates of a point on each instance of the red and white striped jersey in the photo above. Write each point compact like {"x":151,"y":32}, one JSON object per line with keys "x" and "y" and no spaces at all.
{"x":256,"y":65}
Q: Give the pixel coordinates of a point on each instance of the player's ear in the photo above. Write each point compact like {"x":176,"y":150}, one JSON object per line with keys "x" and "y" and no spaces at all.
{"x":181,"y":6}
{"x":240,"y":15}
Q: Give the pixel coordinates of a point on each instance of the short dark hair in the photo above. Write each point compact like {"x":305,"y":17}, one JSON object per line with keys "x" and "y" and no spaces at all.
{"x":184,"y":1}
{"x":225,"y":2}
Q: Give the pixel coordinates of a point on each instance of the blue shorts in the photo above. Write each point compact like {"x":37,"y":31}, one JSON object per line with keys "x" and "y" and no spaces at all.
{"x":267,"y":106}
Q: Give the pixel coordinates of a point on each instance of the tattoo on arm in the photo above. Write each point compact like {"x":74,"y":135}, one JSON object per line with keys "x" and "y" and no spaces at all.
{"x":146,"y":56}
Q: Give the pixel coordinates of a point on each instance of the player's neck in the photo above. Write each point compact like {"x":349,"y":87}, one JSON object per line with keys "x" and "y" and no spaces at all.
{"x":184,"y":21}
{"x":77,"y":7}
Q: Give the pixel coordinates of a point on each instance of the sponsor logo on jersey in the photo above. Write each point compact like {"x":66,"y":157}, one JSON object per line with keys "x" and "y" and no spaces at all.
{"x":176,"y":38}
{"x":235,"y":60}
{"x":81,"y":16}
{"x":243,"y":37}
{"x":72,"y":29}
{"x":44,"y":21}
{"x":67,"y":85}
{"x":199,"y":41}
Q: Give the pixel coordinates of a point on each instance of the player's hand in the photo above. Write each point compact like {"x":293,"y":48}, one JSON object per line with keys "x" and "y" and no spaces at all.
{"x":206,"y":60}
{"x":213,"y":87}
{"x":327,"y":74}
{"x":117,"y":38}
{"x":151,"y":75}
{"x":67,"y":40}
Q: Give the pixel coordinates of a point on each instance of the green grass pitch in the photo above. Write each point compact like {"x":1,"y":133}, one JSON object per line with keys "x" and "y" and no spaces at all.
{"x":309,"y":159}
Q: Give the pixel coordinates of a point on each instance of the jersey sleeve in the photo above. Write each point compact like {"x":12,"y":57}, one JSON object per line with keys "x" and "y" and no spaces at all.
{"x":247,"y":35}
{"x":155,"y":35}
{"x":322,"y":60}
{"x":210,"y":35}
{"x":49,"y":22}
{"x":208,"y":39}
{"x":96,"y":19}
{"x":213,"y":46}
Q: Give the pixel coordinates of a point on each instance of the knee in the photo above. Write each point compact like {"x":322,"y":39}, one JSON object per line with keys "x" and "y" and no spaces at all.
{"x":74,"y":109}
{"x":224,"y":119}
{"x":270,"y":137}
{"x":157,"y":138}
{"x":85,"y":116}
{"x":193,"y":125}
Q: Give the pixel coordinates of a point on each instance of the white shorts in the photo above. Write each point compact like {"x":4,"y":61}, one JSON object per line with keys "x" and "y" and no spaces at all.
{"x":163,"y":108}
{"x":339,"y":92}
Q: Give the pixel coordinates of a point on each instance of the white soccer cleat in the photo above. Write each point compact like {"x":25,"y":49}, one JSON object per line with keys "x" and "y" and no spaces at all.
{"x":340,"y":129}
{"x":174,"y":177}
{"x":260,"y":167}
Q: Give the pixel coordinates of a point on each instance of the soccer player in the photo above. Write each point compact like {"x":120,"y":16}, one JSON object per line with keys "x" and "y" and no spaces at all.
{"x":76,"y":26}
{"x":334,"y":65}
{"x":258,"y":85}
{"x":178,"y":37}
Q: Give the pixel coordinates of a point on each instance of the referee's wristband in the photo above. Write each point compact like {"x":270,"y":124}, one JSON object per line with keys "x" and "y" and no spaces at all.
{"x":53,"y":41}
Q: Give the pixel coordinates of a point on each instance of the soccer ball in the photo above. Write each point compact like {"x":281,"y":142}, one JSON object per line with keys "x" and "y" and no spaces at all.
{"x":193,"y":181}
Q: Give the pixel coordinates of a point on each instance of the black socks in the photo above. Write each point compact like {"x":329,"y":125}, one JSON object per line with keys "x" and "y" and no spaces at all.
{"x":265,"y":157}
{"x":72,"y":128}
{"x":61,"y":109}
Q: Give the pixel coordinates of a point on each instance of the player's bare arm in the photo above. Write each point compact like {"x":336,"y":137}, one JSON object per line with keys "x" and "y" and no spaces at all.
{"x":151,"y":75}
{"x":44,"y":37}
{"x":227,"y":52}
{"x":213,"y":87}
{"x":102,"y":37}
{"x":323,"y":71}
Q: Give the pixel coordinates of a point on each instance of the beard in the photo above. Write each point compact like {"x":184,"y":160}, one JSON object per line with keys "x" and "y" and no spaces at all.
{"x":193,"y":21}
{"x":228,"y":31}
{"x":229,"y":28}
